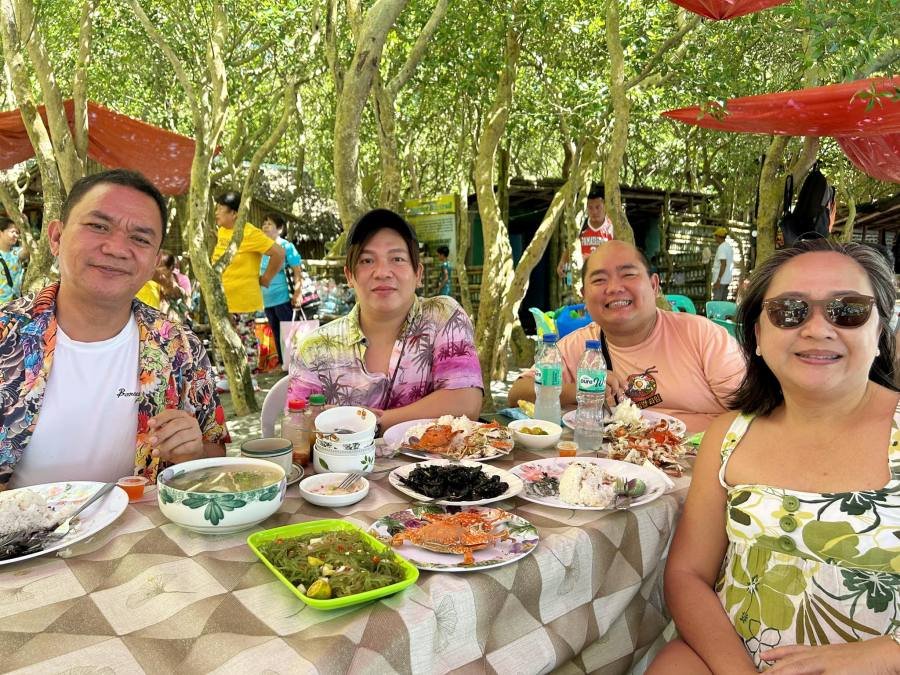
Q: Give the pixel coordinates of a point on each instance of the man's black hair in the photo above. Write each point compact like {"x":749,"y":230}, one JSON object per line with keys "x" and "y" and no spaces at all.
{"x":443,"y":250}
{"x":597,"y":191}
{"x":231,"y":199}
{"x":124,"y":177}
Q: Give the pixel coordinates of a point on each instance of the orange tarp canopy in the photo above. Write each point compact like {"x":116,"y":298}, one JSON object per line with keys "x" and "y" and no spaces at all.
{"x":864,"y":117}
{"x":726,"y":9}
{"x":115,"y":141}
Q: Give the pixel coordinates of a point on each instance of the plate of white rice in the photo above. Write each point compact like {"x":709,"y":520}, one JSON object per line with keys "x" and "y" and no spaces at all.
{"x":39,"y":506}
{"x":583,"y":483}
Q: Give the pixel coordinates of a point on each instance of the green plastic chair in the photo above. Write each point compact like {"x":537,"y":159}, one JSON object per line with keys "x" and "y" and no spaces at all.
{"x":730,"y":326}
{"x":721,"y":309}
{"x":681,"y":303}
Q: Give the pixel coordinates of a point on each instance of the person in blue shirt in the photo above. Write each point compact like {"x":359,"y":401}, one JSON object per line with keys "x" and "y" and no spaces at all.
{"x":13,"y":257}
{"x":443,"y":284}
{"x":278,"y":298}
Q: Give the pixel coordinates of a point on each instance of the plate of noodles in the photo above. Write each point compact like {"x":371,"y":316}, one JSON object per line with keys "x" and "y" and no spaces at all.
{"x":450,"y":437}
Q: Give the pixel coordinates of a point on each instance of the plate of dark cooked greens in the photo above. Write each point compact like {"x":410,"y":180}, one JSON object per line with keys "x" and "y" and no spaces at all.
{"x":463,"y":483}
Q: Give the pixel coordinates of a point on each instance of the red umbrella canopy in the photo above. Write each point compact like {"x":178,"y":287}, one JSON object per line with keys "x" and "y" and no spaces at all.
{"x":864,"y":117}
{"x":116,"y":141}
{"x":726,"y":9}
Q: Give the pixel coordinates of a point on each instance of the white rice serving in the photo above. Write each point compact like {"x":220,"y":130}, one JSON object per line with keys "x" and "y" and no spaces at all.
{"x":586,"y":484}
{"x":628,"y":415}
{"x":23,"y":510}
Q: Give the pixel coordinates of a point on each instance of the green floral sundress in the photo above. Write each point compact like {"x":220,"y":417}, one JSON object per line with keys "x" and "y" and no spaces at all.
{"x":808,"y":568}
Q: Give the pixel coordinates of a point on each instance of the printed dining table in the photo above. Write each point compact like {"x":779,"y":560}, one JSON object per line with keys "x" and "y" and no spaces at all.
{"x":145,"y":595}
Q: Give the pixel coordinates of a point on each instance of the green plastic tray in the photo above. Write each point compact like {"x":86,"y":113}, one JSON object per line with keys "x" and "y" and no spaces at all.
{"x":322,"y":526}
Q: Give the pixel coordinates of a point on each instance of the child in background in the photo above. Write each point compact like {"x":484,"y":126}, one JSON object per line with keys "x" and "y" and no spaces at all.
{"x":13,"y":257}
{"x":443,"y":285}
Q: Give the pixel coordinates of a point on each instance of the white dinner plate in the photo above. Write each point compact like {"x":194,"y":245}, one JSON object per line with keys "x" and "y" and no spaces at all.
{"x":677,"y":426}
{"x":521,"y":539}
{"x":393,"y":437}
{"x":515,"y":485}
{"x":529,"y":472}
{"x":90,"y":521}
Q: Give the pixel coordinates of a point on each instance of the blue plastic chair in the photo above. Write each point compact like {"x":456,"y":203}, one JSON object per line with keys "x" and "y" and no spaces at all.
{"x":681,"y":303}
{"x":570,"y":318}
{"x":721,"y":309}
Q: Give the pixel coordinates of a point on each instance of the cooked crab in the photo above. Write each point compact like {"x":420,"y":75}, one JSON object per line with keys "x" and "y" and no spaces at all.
{"x":437,"y":436}
{"x":460,"y":533}
{"x":483,"y":440}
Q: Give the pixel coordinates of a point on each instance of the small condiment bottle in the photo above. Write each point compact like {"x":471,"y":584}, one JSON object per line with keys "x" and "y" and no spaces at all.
{"x":316,"y":406}
{"x":567,"y":448}
{"x":295,"y":427}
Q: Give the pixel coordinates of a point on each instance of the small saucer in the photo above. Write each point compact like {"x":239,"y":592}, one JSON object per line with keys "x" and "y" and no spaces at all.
{"x":295,"y":475}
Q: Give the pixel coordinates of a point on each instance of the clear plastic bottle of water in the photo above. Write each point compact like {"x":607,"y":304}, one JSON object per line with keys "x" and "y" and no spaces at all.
{"x":548,"y":380}
{"x":591,"y":391}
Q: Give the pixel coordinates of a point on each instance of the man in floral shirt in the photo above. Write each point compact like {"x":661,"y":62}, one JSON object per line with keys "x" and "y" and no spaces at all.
{"x":402,"y":356}
{"x":94,"y":384}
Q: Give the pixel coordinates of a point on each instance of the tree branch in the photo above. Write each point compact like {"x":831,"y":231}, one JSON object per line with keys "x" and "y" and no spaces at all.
{"x":173,"y":60}
{"x":79,"y":84}
{"x":880,"y":63}
{"x":418,"y":49}
{"x":71,"y":167}
{"x":673,"y":40}
{"x":331,"y":49}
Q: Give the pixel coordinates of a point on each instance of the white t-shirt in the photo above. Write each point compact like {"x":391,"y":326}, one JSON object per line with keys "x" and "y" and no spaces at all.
{"x":726,"y":253}
{"x":87,"y":425}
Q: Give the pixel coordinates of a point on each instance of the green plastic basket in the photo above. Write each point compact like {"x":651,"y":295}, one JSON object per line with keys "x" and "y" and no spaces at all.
{"x":323,"y":526}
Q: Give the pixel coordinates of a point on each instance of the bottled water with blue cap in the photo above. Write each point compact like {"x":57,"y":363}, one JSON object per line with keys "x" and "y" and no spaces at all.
{"x":591,"y":380}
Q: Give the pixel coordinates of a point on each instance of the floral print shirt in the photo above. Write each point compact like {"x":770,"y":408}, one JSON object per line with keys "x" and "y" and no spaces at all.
{"x":435,"y":350}
{"x":173,"y":372}
{"x":807,"y":568}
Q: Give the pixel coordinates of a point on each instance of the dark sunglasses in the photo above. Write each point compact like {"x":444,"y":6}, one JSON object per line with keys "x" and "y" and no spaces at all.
{"x":843,"y":311}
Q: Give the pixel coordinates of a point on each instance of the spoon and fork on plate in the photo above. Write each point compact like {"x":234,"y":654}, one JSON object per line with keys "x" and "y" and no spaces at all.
{"x":24,"y":542}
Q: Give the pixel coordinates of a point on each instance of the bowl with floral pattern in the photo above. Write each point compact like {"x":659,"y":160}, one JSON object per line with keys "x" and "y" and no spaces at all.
{"x":327,"y":462}
{"x":220,"y":495}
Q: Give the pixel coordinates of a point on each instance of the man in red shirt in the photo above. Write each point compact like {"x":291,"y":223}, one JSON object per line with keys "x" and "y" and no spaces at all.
{"x":598,"y":230}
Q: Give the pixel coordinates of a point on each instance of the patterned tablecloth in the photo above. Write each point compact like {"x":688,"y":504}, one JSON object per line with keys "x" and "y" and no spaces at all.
{"x":144,"y":595}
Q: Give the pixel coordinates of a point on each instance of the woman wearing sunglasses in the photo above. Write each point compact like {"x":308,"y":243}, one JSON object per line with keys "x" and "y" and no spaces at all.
{"x":787,"y":555}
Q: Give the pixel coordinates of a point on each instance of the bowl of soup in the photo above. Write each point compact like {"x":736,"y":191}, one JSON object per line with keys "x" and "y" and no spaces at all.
{"x":220,"y":495}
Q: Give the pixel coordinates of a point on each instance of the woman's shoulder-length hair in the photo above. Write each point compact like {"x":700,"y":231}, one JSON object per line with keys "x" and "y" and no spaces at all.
{"x":760,"y":392}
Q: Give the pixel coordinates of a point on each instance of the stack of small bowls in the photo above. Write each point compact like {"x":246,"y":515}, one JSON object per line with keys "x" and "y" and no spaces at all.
{"x":345,"y":440}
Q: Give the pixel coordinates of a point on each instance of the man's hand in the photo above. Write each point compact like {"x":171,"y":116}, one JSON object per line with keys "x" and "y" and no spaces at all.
{"x":561,"y":268}
{"x":175,"y":436}
{"x":615,"y":389}
{"x":265,"y":282}
{"x":877,"y":656}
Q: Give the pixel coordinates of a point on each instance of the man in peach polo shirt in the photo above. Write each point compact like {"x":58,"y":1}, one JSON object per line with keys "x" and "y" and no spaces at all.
{"x":679,"y":364}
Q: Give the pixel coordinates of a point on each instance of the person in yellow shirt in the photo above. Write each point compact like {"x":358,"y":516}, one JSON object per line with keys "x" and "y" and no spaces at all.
{"x":150,"y":294}
{"x":241,"y":280}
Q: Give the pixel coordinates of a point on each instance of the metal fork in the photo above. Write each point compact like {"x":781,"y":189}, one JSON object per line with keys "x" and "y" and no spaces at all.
{"x":349,"y":481}
{"x":23,"y":543}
